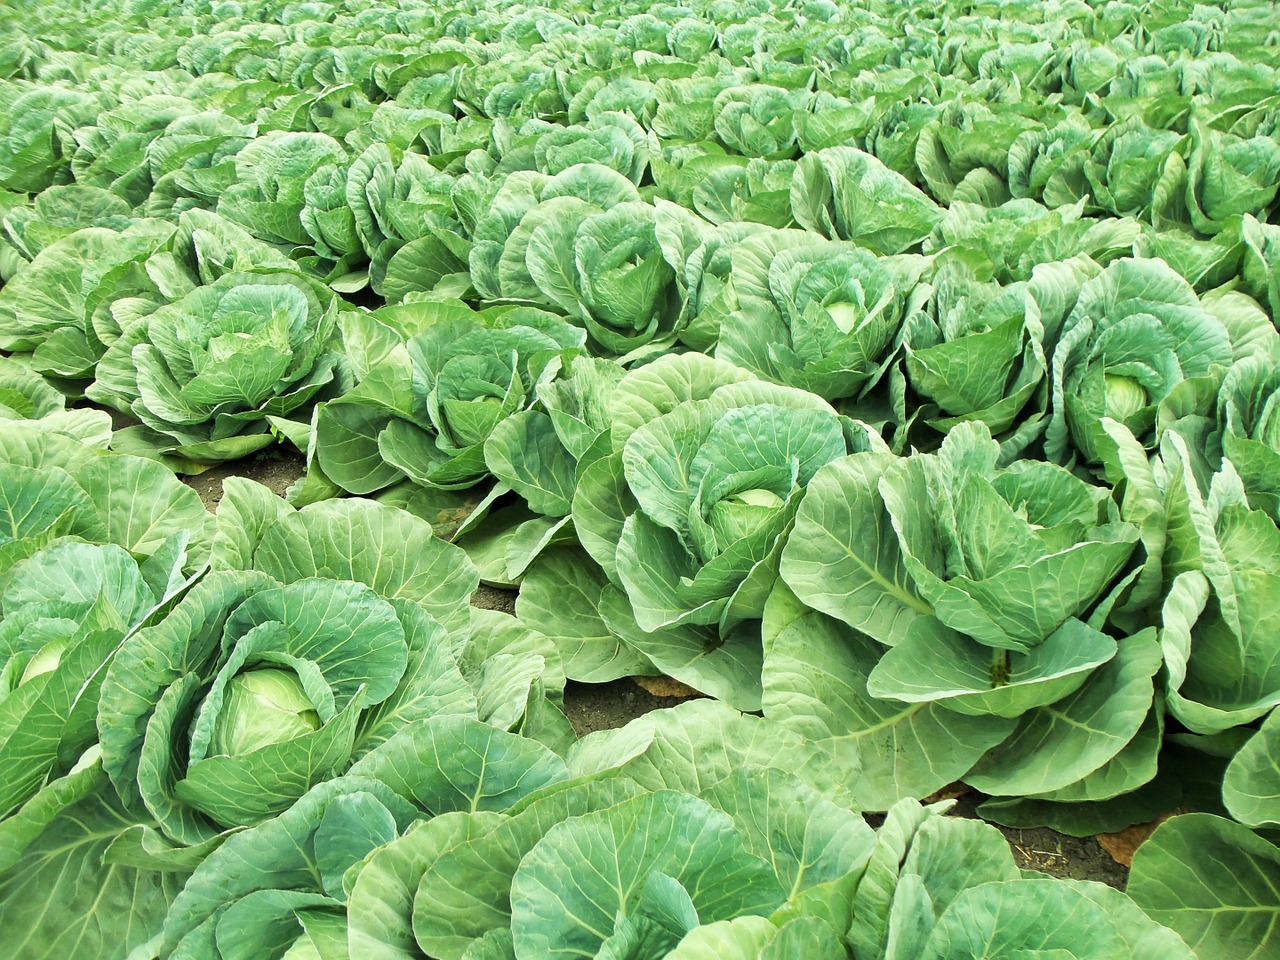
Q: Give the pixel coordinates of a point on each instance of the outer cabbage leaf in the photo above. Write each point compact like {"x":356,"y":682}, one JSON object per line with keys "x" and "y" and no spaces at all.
{"x":64,"y":893}
{"x":1213,"y":882}
{"x":559,"y":909}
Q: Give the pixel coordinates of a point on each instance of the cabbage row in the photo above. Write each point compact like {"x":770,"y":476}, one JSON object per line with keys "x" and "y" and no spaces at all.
{"x":904,"y":378}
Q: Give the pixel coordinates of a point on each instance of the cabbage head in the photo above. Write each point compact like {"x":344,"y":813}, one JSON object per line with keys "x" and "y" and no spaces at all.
{"x":426,"y":411}
{"x":1249,"y":421}
{"x":978,"y":351}
{"x":818,"y":315}
{"x":584,"y":243}
{"x":251,"y":692}
{"x":706,"y":495}
{"x":65,"y":611}
{"x":205,"y":373}
{"x":1137,"y":332}
{"x":1004,"y":555}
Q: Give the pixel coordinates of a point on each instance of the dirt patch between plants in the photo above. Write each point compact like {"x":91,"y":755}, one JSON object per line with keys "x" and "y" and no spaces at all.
{"x":494,"y":598}
{"x":1038,"y":848}
{"x":275,"y":469}
{"x":603,"y":706}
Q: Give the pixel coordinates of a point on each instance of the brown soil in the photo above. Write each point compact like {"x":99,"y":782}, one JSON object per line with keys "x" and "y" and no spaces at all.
{"x":603,"y":706}
{"x":1072,"y":858}
{"x":494,"y":598}
{"x":275,"y":469}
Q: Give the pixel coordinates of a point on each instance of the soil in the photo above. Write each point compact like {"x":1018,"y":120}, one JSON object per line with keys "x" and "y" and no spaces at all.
{"x":275,"y":469}
{"x":1072,"y":858}
{"x":603,"y":706}
{"x":495,"y":598}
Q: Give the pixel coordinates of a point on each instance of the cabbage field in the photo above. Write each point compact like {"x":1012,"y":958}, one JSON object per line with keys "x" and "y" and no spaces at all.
{"x":900,"y":376}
